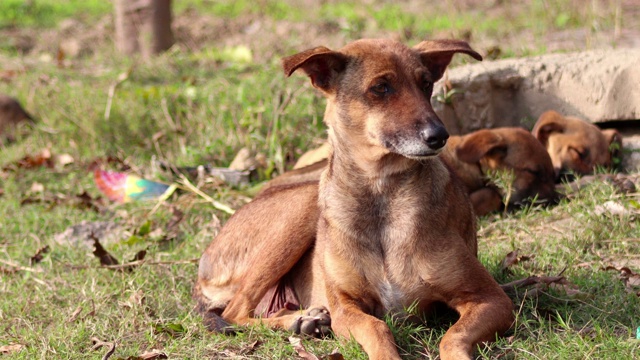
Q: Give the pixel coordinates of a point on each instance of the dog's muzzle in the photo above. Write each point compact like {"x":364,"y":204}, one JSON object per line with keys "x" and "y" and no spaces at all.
{"x":435,"y":137}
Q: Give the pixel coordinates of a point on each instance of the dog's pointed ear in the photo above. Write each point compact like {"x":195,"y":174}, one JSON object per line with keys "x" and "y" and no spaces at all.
{"x":614,"y":139}
{"x":322,"y":65}
{"x":612,"y":136}
{"x":480,"y":144}
{"x":548,"y":123}
{"x":436,"y":54}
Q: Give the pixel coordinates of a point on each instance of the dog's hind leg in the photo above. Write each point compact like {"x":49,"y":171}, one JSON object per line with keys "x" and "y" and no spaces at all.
{"x":296,"y":303}
{"x":257,"y":247}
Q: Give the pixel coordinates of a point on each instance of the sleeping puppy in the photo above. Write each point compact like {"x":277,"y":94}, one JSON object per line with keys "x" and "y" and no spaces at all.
{"x":574,"y":145}
{"x":479,"y":156}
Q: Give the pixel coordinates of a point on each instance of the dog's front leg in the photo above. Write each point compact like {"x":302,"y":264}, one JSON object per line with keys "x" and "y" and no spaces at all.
{"x":349,"y":320}
{"x":485,"y":312}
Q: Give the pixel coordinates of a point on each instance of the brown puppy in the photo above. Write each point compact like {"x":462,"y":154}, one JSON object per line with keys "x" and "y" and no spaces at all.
{"x":574,"y":144}
{"x":475,"y":156}
{"x":395,"y":229}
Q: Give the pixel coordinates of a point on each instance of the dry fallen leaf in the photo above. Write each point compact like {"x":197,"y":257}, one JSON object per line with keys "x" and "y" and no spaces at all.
{"x":75,"y":314}
{"x":43,"y":158}
{"x":102,"y":254}
{"x":612,"y":208}
{"x":39,"y":255}
{"x":300,"y":350}
{"x":7,"y":271}
{"x":36,"y":187}
{"x":152,"y":355}
{"x":62,"y":160}
{"x":7,"y":75}
{"x":630,"y":279}
{"x":86,"y":201}
{"x":148,"y":355}
{"x":570,"y":289}
{"x":11,"y":348}
{"x":512,"y":258}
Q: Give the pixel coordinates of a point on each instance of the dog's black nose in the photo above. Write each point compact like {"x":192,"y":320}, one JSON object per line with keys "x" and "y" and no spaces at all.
{"x":435,"y":136}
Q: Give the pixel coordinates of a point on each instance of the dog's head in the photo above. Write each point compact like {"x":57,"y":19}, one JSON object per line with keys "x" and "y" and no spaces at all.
{"x":379,"y":92}
{"x":576,"y":146}
{"x":516,"y":152}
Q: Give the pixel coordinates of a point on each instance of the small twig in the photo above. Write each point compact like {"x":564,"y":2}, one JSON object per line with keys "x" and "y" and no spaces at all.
{"x":99,"y":343}
{"x":20,"y":268}
{"x":531,"y":280}
{"x":112,"y":91}
{"x":166,"y":195}
{"x":167,"y":116}
{"x":218,"y":205}
{"x":42,"y":282}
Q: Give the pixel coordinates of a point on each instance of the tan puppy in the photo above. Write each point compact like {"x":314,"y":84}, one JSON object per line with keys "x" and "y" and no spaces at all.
{"x":395,"y":228}
{"x":576,"y":145}
{"x":306,"y":173}
{"x":313,"y":156}
{"x":477,"y":156}
{"x":474,"y":157}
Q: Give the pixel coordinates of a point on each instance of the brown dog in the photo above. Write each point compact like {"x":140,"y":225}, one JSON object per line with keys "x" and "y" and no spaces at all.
{"x":477,"y":156}
{"x":395,"y":228}
{"x":576,"y":145}
{"x":473,"y":157}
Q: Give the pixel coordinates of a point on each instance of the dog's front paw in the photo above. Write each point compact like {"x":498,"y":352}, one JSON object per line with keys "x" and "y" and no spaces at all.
{"x":316,"y":322}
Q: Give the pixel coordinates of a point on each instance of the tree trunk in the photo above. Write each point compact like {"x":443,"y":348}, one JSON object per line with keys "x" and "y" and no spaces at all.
{"x":143,"y":26}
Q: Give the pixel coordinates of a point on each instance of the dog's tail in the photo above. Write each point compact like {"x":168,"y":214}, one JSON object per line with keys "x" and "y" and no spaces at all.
{"x":211,"y":317}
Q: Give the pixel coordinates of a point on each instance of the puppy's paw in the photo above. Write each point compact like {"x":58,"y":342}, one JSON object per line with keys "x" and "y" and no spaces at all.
{"x":316,"y":322}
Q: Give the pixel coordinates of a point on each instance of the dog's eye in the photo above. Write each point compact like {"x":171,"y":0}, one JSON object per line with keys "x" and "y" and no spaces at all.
{"x":381,"y":89}
{"x":427,"y":87}
{"x":581,"y":154}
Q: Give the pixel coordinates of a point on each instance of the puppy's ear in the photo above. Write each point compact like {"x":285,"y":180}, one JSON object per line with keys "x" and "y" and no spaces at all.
{"x":480,"y":144}
{"x":436,"y":54}
{"x":322,"y":65}
{"x":614,"y":139}
{"x":548,"y":123}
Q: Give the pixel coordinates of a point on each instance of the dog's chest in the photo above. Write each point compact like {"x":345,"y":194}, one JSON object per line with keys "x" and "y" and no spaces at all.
{"x":393,"y":298}
{"x":390,"y":231}
{"x":384,"y":222}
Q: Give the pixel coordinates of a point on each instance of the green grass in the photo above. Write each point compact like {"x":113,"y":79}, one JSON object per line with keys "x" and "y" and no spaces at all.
{"x":47,"y":13}
{"x":190,"y":108}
